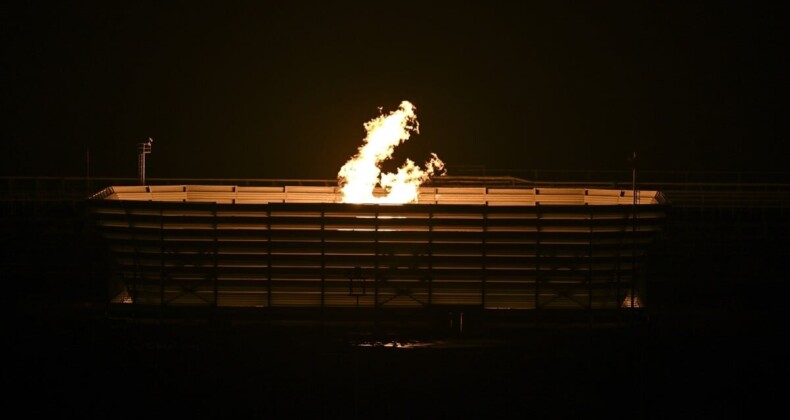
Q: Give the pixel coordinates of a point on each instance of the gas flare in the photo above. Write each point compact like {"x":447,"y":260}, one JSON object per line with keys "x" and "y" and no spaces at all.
{"x":360,"y":176}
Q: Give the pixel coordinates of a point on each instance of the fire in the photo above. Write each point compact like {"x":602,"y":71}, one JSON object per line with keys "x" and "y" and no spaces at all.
{"x":360,"y":176}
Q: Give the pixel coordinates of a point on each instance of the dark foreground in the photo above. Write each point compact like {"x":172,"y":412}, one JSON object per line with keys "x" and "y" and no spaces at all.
{"x":712,"y":346}
{"x":682,"y":362}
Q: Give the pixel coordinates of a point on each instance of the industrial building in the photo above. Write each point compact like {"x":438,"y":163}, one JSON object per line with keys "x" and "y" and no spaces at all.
{"x":297,"y":249}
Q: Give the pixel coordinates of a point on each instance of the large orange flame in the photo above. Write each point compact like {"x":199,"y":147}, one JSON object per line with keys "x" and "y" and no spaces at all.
{"x":360,"y":176}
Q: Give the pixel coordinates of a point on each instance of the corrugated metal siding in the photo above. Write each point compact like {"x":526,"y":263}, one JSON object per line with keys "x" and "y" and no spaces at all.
{"x":564,"y":256}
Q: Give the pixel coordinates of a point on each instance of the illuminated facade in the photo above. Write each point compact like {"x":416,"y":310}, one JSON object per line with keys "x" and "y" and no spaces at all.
{"x":489,"y":248}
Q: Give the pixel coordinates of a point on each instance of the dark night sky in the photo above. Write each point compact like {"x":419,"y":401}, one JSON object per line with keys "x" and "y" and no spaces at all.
{"x":273,"y":91}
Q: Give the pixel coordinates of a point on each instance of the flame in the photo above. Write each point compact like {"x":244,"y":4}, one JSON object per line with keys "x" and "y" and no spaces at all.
{"x":360,"y":176}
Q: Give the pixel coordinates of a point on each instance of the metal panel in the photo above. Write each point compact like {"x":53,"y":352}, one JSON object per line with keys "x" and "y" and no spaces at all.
{"x":325,"y":254}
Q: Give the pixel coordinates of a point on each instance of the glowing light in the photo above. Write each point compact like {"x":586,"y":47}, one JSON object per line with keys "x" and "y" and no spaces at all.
{"x":360,"y":176}
{"x":630,"y":302}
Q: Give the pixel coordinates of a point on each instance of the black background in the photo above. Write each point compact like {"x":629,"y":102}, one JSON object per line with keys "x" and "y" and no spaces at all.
{"x":269,"y":90}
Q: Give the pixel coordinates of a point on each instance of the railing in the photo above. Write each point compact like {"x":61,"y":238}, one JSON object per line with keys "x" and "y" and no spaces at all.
{"x":490,"y":196}
{"x":682,"y":188}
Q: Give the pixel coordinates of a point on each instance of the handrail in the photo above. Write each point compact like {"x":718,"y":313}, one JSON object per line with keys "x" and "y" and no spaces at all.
{"x":747,"y":189}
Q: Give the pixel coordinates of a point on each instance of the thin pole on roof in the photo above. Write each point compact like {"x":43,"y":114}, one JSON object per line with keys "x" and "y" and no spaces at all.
{"x":633,"y":230}
{"x":142,"y":150}
{"x":87,"y":171}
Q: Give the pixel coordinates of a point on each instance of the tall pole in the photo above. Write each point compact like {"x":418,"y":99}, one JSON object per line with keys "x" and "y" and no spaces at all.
{"x":633,"y":230}
{"x":87,"y":170}
{"x":142,"y":150}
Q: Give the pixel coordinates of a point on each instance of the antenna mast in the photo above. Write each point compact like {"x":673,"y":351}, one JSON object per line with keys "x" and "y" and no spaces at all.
{"x":142,"y":150}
